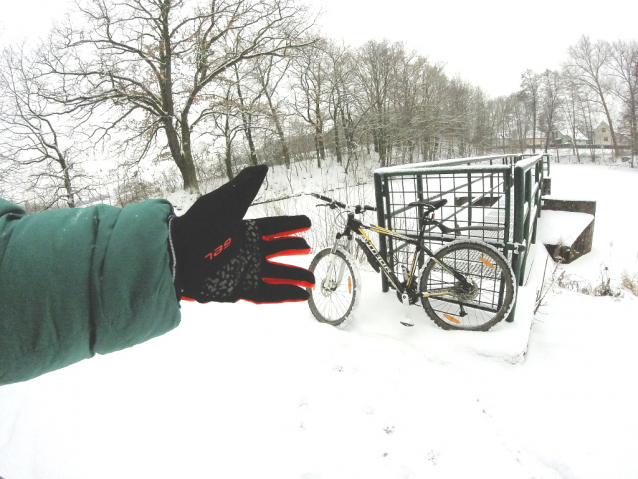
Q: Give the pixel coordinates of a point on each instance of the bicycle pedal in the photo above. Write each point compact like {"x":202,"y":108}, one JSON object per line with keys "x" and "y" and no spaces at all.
{"x":407,"y":322}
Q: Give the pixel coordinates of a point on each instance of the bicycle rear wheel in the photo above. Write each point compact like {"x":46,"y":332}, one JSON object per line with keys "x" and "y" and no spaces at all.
{"x":486,"y":301}
{"x":336,"y":293}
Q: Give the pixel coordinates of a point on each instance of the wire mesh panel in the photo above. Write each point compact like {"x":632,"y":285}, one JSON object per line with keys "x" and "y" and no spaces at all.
{"x":475,"y":305}
{"x":495,"y":199}
{"x":479,"y":193}
{"x":477,"y":196}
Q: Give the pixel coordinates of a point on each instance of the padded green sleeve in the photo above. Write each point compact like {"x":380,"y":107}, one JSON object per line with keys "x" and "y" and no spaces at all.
{"x":75,"y":282}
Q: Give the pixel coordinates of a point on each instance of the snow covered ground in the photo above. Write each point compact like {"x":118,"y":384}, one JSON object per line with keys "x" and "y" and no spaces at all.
{"x":246,"y":391}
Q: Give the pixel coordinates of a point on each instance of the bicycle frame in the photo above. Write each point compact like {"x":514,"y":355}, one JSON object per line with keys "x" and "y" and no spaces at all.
{"x":356,"y":227}
{"x":466,"y":285}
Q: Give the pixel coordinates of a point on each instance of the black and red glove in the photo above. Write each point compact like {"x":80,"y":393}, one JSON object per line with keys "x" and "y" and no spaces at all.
{"x":218,"y":256}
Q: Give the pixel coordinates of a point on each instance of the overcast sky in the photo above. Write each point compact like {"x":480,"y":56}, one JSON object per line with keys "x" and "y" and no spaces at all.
{"x":486,"y":42}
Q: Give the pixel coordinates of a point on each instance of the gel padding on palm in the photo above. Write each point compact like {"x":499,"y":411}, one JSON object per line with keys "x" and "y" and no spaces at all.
{"x":220,"y":257}
{"x":260,"y":280}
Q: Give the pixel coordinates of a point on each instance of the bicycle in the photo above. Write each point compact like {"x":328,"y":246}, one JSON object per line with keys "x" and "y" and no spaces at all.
{"x":466,"y":285}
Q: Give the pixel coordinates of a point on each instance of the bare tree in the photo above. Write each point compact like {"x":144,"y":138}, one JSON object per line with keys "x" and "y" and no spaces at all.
{"x":551,"y":90}
{"x":228,"y":122}
{"x":340,"y":76}
{"x":520,"y":119}
{"x":375,"y":76}
{"x":590,"y":60}
{"x":530,"y":87}
{"x":153,"y":63}
{"x":269,"y":73}
{"x":248,"y":109}
{"x":406,"y":100}
{"x":40,"y":146}
{"x":482,"y":122}
{"x":502,"y":111}
{"x":624,"y":66}
{"x":311,"y":93}
{"x":432,"y":109}
{"x":570,"y":106}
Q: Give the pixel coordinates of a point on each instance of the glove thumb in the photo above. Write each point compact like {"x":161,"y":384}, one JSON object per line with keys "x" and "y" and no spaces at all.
{"x":228,"y":203}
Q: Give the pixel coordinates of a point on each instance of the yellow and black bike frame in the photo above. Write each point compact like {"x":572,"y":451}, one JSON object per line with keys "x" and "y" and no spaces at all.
{"x":376,"y":259}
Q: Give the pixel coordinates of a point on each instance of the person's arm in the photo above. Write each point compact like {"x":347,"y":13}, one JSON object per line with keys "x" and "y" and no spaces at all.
{"x":81,"y":281}
{"x":75,"y":282}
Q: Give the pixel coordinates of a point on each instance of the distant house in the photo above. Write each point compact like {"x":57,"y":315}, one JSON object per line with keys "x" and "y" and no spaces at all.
{"x":538,"y":139}
{"x":582,"y":139}
{"x":602,"y":135}
{"x":530,"y":141}
{"x":505,"y":142}
{"x":558,"y":138}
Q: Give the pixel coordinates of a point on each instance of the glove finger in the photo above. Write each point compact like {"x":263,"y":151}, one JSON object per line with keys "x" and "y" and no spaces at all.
{"x":280,"y":293}
{"x":230,"y":201}
{"x":278,"y":226}
{"x":277,"y":273}
{"x":288,"y":246}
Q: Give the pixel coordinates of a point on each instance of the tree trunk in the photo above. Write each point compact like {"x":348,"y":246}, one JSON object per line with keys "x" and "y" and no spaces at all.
{"x":319,"y":130}
{"x":70,"y":199}
{"x":317,"y":150}
{"x":184,"y":161}
{"x":321,"y":147}
{"x":611,"y":127}
{"x":337,"y":144}
{"x":348,"y":133}
{"x":534,"y":131}
{"x":246,"y":119}
{"x":382,"y":150}
{"x":229,"y":149}
{"x":279,"y":130}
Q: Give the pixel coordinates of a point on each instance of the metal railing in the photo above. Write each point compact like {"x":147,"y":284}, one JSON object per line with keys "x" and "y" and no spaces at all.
{"x":501,"y":190}
{"x":528,"y":179}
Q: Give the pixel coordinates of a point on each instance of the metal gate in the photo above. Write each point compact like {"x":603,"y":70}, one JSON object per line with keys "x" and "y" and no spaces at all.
{"x":502,"y":190}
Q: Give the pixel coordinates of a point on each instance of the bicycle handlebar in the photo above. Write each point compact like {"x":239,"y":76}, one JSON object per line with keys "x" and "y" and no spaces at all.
{"x":332,"y":203}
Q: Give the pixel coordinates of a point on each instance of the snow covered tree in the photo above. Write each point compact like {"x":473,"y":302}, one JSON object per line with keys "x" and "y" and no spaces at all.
{"x":269,"y":72}
{"x":40,"y":142}
{"x":590,"y":62}
{"x":624,"y":66}
{"x":530,"y":88}
{"x":155,"y":63}
{"x":550,"y":98}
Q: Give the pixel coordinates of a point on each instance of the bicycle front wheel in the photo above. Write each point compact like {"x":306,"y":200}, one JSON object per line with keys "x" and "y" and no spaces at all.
{"x":336,"y":293}
{"x":485,"y":299}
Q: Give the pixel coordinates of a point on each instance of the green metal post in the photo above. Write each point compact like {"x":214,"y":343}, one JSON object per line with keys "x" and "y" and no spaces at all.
{"x":379,"y":196}
{"x":519,"y":219}
{"x":507,"y":185}
{"x":419,"y":189}
{"x":389,"y":253}
{"x":469,"y":199}
{"x":538,"y":169}
{"x":527,"y":222}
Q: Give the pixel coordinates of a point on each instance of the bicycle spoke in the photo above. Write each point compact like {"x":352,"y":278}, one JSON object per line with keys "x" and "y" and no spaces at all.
{"x":476,"y":303}
{"x":334,"y":297}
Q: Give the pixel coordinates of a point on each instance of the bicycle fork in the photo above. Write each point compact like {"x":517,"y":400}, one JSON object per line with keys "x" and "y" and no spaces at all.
{"x":334,"y":276}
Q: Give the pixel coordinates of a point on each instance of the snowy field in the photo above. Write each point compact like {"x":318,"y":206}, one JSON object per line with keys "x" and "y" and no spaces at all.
{"x":246,"y":391}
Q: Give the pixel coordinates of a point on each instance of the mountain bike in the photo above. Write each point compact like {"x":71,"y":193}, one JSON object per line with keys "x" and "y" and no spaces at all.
{"x":467,"y":284}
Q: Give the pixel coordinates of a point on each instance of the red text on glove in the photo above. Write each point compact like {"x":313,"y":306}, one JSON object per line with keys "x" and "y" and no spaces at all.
{"x":219,"y":249}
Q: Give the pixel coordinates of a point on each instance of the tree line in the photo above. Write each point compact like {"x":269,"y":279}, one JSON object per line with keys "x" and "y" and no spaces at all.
{"x":219,"y":84}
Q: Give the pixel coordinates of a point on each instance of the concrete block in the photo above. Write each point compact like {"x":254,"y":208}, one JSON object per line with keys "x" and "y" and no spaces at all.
{"x":573,"y":244}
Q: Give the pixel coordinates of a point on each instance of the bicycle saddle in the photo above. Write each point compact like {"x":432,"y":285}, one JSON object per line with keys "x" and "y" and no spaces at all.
{"x":430,"y":205}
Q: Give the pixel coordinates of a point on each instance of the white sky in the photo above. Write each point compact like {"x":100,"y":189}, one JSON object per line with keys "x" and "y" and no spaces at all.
{"x":487,"y":42}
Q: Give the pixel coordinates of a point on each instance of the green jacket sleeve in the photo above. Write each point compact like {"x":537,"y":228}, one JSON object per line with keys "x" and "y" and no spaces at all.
{"x":75,"y":282}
